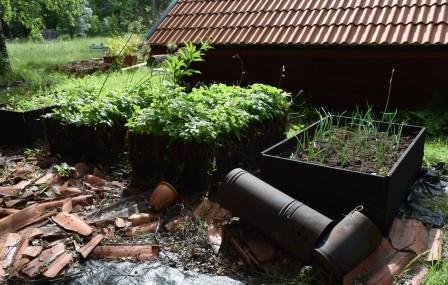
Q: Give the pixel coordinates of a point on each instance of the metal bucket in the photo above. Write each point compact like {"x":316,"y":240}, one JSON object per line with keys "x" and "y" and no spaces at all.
{"x":348,"y":243}
{"x":293,"y":225}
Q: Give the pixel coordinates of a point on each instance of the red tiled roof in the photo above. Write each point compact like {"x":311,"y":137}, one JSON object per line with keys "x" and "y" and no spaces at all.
{"x":235,"y":22}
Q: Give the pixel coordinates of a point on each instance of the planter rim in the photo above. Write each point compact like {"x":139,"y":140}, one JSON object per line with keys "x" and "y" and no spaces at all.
{"x":392,"y":169}
{"x":29,"y":111}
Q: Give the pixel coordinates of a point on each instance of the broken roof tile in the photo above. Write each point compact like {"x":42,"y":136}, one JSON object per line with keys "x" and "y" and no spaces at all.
{"x":21,"y":219}
{"x":141,"y":252}
{"x":33,"y":268}
{"x":32,"y":251}
{"x":73,"y":223}
{"x":142,"y":218}
{"x":9,"y":191}
{"x":57,"y":265}
{"x":88,"y":247}
{"x":435,"y":245}
{"x":67,"y":205}
{"x":145,"y":228}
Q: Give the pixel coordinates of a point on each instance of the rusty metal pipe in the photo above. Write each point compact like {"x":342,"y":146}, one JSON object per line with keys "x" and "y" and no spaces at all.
{"x":299,"y":229}
{"x":293,"y":225}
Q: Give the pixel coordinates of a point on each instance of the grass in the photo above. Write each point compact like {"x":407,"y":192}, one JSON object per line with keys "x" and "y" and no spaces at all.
{"x":33,"y":55}
{"x":436,"y":150}
{"x":437,"y":274}
{"x":31,"y":61}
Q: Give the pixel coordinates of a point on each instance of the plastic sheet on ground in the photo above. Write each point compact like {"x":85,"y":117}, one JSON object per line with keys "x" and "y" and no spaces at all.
{"x":429,"y":186}
{"x":99,"y":272}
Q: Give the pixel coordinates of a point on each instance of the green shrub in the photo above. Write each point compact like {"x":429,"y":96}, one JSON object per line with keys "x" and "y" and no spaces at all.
{"x":208,"y":113}
{"x":83,"y":106}
{"x":432,"y":115}
{"x":121,"y":46}
{"x":29,"y":101}
{"x":178,"y":65}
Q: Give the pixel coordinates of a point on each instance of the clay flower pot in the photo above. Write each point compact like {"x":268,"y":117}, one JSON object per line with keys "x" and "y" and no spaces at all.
{"x":130,"y":60}
{"x":163,"y":196}
{"x":110,"y":59}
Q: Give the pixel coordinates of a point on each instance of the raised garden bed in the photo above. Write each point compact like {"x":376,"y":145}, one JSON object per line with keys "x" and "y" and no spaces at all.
{"x":100,"y":143}
{"x":193,"y":166}
{"x":335,"y":186}
{"x":85,"y":67}
{"x":193,"y":139}
{"x":21,"y":128}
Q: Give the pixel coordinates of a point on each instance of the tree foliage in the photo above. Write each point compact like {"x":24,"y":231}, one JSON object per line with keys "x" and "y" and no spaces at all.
{"x":32,"y":14}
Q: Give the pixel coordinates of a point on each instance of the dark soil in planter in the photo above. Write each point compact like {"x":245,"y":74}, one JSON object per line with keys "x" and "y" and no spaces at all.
{"x":367,"y":162}
{"x":101,"y":144}
{"x":335,"y":191}
{"x":186,"y":165}
{"x":21,"y":128}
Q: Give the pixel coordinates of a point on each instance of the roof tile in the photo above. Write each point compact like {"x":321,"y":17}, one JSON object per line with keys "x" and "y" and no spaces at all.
{"x":305,"y":22}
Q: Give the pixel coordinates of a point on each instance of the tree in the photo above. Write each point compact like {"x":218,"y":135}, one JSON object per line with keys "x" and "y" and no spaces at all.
{"x":4,"y":59}
{"x":31,"y":15}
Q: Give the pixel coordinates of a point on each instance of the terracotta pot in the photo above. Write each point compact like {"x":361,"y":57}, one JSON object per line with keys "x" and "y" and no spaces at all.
{"x":163,"y":196}
{"x":110,"y":59}
{"x":129,"y":60}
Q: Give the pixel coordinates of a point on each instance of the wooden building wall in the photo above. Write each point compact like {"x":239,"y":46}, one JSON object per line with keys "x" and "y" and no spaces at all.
{"x":336,"y":77}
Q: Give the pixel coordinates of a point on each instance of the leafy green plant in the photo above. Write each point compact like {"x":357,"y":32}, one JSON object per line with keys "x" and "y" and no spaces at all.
{"x":432,"y":115}
{"x":34,"y":152}
{"x":178,"y":65}
{"x":207,"y":114}
{"x":121,"y":46}
{"x":29,"y":101}
{"x":80,"y":103}
{"x":115,"y":46}
{"x":64,"y":170}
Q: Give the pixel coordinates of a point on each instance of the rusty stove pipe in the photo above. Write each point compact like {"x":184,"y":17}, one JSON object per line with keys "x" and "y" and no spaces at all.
{"x":299,"y":229}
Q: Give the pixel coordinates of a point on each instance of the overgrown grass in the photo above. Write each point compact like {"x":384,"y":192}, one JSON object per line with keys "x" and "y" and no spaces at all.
{"x":32,"y":61}
{"x":28,"y":54}
{"x":436,"y":150}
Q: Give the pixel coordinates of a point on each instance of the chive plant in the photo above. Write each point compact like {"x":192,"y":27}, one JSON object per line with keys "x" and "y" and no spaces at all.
{"x":351,"y":141}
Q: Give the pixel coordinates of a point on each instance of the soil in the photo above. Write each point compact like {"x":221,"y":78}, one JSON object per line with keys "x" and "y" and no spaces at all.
{"x":84,"y":67}
{"x":339,"y":152}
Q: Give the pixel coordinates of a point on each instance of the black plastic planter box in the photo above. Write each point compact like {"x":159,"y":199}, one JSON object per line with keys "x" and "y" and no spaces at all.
{"x":21,"y":128}
{"x":95,"y":144}
{"x":336,"y":191}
